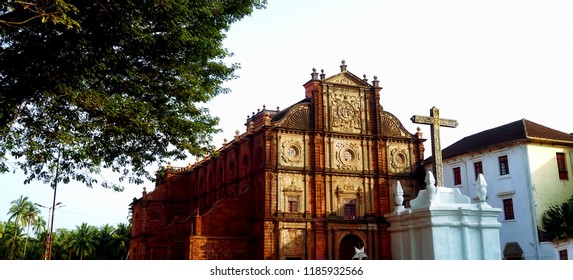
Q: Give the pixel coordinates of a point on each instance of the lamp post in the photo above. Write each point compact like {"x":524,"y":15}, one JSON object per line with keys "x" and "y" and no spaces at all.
{"x":48,"y":250}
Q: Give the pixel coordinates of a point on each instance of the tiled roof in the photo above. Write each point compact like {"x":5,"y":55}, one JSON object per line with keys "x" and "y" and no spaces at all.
{"x":519,"y":130}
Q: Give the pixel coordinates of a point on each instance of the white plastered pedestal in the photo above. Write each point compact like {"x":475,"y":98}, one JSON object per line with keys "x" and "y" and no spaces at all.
{"x":443,"y":224}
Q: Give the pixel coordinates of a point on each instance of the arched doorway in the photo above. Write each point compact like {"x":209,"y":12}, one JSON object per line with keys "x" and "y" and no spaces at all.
{"x":347,"y":244}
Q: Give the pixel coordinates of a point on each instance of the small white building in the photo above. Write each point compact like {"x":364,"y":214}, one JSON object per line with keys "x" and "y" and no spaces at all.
{"x":528,"y":168}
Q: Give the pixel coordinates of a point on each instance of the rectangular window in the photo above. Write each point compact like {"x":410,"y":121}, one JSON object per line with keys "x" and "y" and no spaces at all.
{"x":563,"y":255}
{"x":292,"y":204}
{"x":503,"y":166}
{"x":349,"y":208}
{"x":457,"y":176}
{"x":508,"y":209}
{"x":478,"y":168}
{"x":562,"y":166}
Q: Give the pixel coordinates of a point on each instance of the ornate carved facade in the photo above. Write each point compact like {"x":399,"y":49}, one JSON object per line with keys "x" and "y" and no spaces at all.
{"x":311,"y":181}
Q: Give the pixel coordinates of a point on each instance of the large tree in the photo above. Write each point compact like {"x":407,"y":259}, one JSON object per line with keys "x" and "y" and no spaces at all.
{"x":122,"y":91}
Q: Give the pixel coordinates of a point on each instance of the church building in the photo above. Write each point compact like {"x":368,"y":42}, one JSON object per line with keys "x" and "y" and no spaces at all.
{"x":312,"y":181}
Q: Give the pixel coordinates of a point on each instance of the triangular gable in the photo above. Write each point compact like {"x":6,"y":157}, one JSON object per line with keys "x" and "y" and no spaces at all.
{"x":348,"y":79}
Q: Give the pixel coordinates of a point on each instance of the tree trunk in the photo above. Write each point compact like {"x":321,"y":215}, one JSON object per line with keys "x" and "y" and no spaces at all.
{"x":26,"y":243}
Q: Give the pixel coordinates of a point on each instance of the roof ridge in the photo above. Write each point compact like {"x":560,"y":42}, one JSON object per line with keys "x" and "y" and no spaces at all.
{"x":522,"y":129}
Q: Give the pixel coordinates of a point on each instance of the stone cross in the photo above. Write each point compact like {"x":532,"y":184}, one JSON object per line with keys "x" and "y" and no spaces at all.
{"x":435,"y":122}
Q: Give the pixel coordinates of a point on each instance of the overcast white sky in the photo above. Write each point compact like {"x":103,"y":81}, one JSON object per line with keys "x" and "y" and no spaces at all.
{"x":484,"y":63}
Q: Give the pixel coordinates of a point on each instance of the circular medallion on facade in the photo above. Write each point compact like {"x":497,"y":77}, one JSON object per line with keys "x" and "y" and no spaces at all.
{"x":347,"y":156}
{"x":399,"y":159}
{"x":292,"y":152}
{"x":345,"y":110}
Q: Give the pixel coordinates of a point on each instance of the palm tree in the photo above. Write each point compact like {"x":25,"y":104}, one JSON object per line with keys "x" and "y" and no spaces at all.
{"x":61,"y":243}
{"x":29,"y":217}
{"x":104,"y":240}
{"x":37,"y":246}
{"x":12,"y":238}
{"x":83,"y":241}
{"x":2,"y":238}
{"x":17,"y":211}
{"x":121,"y":238}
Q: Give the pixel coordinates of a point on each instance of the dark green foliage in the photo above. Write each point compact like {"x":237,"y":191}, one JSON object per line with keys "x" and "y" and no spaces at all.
{"x":122,"y":91}
{"x":558,"y":221}
{"x":84,"y":242}
{"x":25,"y":234}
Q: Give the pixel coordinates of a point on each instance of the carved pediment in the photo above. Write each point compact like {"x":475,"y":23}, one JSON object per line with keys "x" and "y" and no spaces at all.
{"x":347,"y":79}
{"x":347,"y":188}
{"x":292,"y":188}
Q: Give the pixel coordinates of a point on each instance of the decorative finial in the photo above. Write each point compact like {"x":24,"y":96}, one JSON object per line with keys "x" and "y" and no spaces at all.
{"x":399,"y":199}
{"x":314,"y":75}
{"x":430,"y":186}
{"x":267,"y":119}
{"x":237,"y":132}
{"x":264,"y":106}
{"x":364,"y":78}
{"x":481,"y":185}
{"x":343,"y":66}
{"x":278,"y":108}
{"x":251,"y":127}
{"x":376,"y":83}
{"x":322,"y":75}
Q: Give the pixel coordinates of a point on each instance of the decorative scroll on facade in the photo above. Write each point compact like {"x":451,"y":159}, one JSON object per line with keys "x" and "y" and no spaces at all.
{"x":298,"y":118}
{"x":391,"y":126}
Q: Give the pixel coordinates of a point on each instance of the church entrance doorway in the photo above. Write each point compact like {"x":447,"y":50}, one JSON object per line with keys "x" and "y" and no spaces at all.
{"x":346,"y":248}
